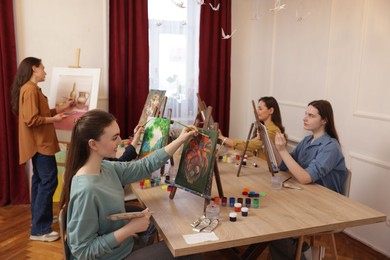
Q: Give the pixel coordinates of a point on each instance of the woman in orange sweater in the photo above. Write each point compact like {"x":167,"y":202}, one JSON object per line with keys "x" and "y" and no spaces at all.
{"x":37,"y":141}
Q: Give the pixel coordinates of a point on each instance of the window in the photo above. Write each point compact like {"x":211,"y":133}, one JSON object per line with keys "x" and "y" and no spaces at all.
{"x":173,"y":55}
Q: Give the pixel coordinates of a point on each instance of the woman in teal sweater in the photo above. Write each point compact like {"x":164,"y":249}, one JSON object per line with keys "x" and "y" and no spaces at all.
{"x":93,"y":190}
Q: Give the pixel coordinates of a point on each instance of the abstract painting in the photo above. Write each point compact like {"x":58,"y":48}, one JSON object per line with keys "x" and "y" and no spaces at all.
{"x":153,"y":102}
{"x":155,"y":135}
{"x":197,"y":162}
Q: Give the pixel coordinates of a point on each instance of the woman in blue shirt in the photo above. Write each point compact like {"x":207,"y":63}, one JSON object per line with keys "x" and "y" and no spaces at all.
{"x":316,"y":159}
{"x":93,"y":190}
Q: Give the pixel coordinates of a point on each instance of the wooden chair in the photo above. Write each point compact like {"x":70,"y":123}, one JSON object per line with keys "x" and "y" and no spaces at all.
{"x":345,"y":191}
{"x":62,"y":222}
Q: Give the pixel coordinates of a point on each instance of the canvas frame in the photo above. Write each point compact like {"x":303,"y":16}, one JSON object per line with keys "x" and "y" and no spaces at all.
{"x":153,"y":123}
{"x":85,"y":80}
{"x":196,"y":153}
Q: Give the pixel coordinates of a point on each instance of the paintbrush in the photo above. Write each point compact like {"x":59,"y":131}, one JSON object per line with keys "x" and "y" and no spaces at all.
{"x":198,"y":131}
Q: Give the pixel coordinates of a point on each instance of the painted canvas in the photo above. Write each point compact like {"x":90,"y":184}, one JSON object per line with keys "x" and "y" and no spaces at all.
{"x":79,"y":84}
{"x":197,"y":162}
{"x":153,"y":102}
{"x":155,"y":135}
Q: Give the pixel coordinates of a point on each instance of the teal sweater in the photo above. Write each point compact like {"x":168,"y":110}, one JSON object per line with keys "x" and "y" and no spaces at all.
{"x":94,"y":197}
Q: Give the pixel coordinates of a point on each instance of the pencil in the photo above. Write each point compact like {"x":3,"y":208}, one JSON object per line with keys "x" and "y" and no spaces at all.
{"x":198,"y":131}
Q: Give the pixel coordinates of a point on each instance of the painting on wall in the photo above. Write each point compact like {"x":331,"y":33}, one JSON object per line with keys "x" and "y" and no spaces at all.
{"x":79,"y":84}
{"x":153,"y":103}
{"x":197,"y":162}
{"x":155,"y":135}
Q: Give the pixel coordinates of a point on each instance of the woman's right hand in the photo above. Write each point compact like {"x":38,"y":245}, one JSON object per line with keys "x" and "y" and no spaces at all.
{"x":280,"y":142}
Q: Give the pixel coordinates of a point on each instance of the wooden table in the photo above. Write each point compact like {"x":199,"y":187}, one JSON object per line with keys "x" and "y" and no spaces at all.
{"x":282,"y":213}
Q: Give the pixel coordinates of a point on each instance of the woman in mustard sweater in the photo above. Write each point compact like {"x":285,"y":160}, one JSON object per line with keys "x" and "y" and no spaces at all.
{"x":269,"y":114}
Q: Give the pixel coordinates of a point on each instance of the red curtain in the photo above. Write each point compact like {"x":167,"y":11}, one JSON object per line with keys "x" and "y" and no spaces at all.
{"x":13,"y":181}
{"x":128,"y":61}
{"x":214,"y":61}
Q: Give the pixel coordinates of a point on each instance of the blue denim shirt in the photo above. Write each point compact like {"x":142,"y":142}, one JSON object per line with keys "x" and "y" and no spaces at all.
{"x":323,"y":160}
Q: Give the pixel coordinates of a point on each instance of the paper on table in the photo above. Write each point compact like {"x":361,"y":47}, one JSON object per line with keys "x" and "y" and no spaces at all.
{"x":200,"y":237}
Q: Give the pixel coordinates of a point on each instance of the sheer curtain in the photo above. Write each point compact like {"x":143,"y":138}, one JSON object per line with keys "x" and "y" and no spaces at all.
{"x":13,"y":181}
{"x":174,"y":55}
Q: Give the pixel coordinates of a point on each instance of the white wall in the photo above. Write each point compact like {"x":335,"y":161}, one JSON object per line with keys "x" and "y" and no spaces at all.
{"x":339,"y":52}
{"x":53,"y":30}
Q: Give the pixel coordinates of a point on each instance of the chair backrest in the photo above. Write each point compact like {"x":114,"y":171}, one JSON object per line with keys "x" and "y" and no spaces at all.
{"x":62,"y":222}
{"x":347,"y":183}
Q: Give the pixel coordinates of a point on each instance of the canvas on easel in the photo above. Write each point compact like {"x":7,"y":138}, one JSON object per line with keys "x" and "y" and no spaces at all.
{"x":269,"y":152}
{"x":152,"y":105}
{"x":155,"y":135}
{"x":197,"y":161}
{"x":203,"y":189}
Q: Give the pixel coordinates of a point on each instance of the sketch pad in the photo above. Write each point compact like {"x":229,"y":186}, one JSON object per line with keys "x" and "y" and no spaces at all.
{"x":200,"y":238}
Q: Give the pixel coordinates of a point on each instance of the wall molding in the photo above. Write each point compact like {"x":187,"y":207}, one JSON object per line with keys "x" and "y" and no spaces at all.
{"x":376,"y":116}
{"x":370,"y":160}
{"x":293,"y":104}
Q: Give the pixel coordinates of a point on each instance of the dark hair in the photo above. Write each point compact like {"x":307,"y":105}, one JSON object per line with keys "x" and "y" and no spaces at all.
{"x":270,"y":102}
{"x":23,"y":74}
{"x":326,"y":112}
{"x":89,"y":126}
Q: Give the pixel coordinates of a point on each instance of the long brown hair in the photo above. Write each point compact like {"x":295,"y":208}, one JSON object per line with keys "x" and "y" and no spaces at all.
{"x":23,"y":74}
{"x":326,"y":112}
{"x":270,"y":102}
{"x":89,"y":126}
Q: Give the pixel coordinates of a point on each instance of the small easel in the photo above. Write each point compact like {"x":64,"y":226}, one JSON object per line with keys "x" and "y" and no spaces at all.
{"x":158,"y":113}
{"x":269,"y":154}
{"x":245,"y":149}
{"x":168,"y":139}
{"x":208,"y":123}
{"x":215,"y":172}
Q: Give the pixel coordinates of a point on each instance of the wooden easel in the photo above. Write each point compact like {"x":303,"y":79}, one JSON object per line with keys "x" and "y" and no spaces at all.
{"x":245,"y":149}
{"x":158,"y":113}
{"x":215,"y":172}
{"x":272,"y":165}
{"x":168,"y":139}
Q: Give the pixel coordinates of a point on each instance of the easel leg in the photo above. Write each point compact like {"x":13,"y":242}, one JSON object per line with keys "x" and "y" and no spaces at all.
{"x":218,"y":179}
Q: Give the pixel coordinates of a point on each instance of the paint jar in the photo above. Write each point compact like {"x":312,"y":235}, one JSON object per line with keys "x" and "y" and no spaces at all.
{"x":244,"y":211}
{"x":245,"y":191}
{"x":233,"y":216}
{"x":238,"y":157}
{"x":232,"y":200}
{"x":170,"y":187}
{"x":224,"y":201}
{"x":141,"y":184}
{"x":212,"y":211}
{"x":158,"y":180}
{"x":147,"y":184}
{"x":276,"y":182}
{"x":237,"y":207}
{"x":224,"y":159}
{"x":152,"y":182}
{"x":248,"y":202}
{"x":216,"y":200}
{"x":240,"y":200}
{"x":256,"y":203}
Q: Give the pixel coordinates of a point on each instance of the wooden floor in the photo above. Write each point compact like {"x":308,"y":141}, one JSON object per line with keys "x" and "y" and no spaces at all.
{"x":15,"y":243}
